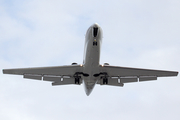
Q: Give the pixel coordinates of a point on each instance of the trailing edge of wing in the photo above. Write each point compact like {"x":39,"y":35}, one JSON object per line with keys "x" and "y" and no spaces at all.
{"x":117,"y":76}
{"x":125,"y":72}
{"x":58,"y":70}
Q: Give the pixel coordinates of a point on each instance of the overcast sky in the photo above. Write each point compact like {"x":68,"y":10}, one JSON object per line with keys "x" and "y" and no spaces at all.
{"x":136,"y":33}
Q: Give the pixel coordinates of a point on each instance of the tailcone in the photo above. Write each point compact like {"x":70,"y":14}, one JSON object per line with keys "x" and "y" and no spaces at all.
{"x":88,"y":92}
{"x":88,"y":86}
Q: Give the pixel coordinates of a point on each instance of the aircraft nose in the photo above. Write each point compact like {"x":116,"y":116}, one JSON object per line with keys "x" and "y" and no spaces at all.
{"x":95,"y":28}
{"x":95,"y":25}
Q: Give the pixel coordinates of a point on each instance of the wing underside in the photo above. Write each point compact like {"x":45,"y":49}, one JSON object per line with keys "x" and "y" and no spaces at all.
{"x":117,"y":76}
{"x":64,"y":75}
{"x":60,"y":75}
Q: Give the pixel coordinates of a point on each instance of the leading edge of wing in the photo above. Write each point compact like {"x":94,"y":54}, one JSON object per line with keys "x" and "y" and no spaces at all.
{"x":128,"y":71}
{"x":55,"y":70}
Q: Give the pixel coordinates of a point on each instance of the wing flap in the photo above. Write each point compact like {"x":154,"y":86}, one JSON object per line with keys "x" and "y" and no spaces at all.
{"x":66,"y":81}
{"x":52,"y":78}
{"x":112,"y":82}
{"x":128,"y":80}
{"x":147,"y":78}
{"x":36,"y":77}
{"x":115,"y":82}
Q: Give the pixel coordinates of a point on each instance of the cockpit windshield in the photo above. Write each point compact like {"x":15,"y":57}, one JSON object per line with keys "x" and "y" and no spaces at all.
{"x":95,"y":31}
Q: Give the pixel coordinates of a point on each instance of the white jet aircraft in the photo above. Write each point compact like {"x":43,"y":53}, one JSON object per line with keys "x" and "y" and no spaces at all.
{"x":90,"y":72}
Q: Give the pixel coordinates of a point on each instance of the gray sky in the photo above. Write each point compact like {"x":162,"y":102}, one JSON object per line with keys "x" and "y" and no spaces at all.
{"x":141,"y":33}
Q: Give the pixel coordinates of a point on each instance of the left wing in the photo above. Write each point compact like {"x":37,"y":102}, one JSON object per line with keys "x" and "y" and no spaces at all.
{"x":119,"y":75}
{"x":60,"y":75}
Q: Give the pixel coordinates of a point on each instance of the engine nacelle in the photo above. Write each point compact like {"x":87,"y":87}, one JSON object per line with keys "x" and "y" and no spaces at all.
{"x":106,"y":63}
{"x":74,"y":63}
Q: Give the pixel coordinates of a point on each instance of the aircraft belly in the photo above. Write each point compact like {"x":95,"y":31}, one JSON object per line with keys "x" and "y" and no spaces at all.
{"x":91,"y":64}
{"x":92,"y":57}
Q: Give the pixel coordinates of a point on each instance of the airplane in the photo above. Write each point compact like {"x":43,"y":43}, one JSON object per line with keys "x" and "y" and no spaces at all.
{"x":90,"y":72}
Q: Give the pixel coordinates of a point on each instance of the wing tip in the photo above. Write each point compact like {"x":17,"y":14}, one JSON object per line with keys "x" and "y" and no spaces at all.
{"x":7,"y":71}
{"x":4,"y":71}
{"x":177,"y":73}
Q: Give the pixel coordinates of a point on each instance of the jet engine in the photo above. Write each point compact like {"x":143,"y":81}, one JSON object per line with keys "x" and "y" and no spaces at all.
{"x":106,"y":63}
{"x":74,"y":63}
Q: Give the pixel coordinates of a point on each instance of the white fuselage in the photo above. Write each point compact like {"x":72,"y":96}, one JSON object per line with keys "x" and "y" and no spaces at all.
{"x":91,"y":59}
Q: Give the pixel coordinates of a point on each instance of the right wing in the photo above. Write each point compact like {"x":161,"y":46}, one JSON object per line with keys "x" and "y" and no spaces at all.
{"x":117,"y":76}
{"x":59,"y":75}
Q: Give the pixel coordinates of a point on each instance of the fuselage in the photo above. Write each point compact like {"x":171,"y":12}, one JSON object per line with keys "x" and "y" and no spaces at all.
{"x":93,"y":40}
